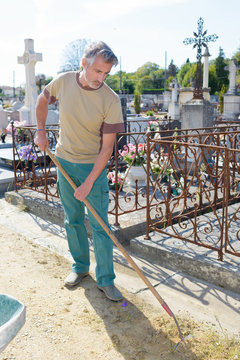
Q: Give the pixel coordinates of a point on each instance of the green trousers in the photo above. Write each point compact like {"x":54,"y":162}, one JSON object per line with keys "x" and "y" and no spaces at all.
{"x":74,"y":222}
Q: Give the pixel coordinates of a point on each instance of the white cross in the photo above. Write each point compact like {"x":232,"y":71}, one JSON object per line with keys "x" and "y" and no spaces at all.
{"x":233,"y":67}
{"x":29,"y":60}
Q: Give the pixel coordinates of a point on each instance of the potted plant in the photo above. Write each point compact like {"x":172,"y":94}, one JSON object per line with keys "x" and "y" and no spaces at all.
{"x":153,"y":125}
{"x":27,"y":155}
{"x":112,"y":180}
{"x":135,"y":156}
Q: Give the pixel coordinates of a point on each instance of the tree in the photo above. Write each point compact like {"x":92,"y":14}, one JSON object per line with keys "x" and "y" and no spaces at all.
{"x":113,"y":81}
{"x":223,"y":91}
{"x":182,"y":71}
{"x":222,"y":74}
{"x":72,"y":55}
{"x":137,"y":100}
{"x":189,"y":75}
{"x":172,"y":69}
{"x":237,"y":57}
{"x":40,"y":81}
{"x":157,"y":77}
{"x":213,"y":80}
{"x":147,"y":69}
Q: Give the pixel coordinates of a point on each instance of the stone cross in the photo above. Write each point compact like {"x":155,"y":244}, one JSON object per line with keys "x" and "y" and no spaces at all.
{"x":29,"y":59}
{"x":233,"y":67}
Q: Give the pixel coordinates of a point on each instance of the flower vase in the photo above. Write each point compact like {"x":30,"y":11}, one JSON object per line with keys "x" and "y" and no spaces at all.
{"x":136,"y":173}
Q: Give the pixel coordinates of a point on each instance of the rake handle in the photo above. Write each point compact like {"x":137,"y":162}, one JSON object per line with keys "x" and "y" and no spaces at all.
{"x":111,"y":235}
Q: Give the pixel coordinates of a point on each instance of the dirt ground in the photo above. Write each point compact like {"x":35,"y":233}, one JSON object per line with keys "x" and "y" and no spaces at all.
{"x":80,"y":323}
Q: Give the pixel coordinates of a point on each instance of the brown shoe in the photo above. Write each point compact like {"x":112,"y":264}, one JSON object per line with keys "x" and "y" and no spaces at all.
{"x":74,"y":279}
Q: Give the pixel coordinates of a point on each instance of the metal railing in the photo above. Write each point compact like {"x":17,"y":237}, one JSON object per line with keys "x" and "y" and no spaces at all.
{"x":188,"y":173}
{"x":191,"y":181}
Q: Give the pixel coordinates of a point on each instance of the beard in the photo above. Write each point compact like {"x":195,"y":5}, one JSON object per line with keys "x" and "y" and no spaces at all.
{"x":94,"y":84}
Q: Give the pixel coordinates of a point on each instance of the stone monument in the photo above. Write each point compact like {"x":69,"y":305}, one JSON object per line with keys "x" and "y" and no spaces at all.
{"x":3,"y":118}
{"x":173,"y":107}
{"x":198,"y":112}
{"x":29,"y":59}
{"x":206,"y":89}
{"x":231,"y":100}
{"x":166,"y":100}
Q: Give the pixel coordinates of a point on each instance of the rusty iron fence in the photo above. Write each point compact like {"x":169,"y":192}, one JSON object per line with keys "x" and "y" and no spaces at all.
{"x":186,"y":174}
{"x":32,"y":169}
{"x":191,"y":181}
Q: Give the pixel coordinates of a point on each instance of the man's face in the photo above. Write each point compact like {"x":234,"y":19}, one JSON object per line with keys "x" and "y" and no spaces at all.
{"x":95,"y":73}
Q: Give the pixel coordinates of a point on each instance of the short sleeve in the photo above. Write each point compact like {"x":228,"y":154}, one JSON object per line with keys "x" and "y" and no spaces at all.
{"x":113,"y":121}
{"x":51,"y":90}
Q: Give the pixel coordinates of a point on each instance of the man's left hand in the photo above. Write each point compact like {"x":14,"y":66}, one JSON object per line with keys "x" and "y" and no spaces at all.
{"x":82,"y":191}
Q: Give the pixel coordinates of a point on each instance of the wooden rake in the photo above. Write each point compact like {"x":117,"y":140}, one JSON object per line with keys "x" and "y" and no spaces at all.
{"x":119,"y":246}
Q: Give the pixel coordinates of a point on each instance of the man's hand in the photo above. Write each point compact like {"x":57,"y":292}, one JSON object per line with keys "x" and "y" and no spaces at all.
{"x":83,"y":190}
{"x":41,"y":140}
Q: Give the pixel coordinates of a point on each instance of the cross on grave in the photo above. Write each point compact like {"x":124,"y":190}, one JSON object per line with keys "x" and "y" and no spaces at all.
{"x":232,"y":68}
{"x":200,"y":39}
{"x":29,"y":59}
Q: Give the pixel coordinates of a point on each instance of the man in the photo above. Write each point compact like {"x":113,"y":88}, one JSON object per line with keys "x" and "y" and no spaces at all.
{"x":90,"y":117}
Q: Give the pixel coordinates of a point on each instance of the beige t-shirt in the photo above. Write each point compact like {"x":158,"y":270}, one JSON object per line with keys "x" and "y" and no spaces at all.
{"x":84,"y":116}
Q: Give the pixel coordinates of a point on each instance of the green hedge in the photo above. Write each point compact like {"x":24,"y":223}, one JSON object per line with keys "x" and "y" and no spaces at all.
{"x":153,"y":91}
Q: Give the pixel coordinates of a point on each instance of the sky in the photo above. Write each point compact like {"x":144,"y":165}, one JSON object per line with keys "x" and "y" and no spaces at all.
{"x":138,"y":31}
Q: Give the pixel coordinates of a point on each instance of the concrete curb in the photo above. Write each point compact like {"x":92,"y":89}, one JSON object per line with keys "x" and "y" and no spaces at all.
{"x":207,"y":268}
{"x":53,"y":211}
{"x":192,"y":260}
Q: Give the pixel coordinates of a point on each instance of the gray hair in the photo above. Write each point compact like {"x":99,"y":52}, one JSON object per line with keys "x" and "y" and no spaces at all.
{"x":100,"y":49}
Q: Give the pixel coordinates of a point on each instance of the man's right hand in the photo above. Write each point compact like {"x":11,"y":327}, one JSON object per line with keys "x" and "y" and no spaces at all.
{"x":41,"y":140}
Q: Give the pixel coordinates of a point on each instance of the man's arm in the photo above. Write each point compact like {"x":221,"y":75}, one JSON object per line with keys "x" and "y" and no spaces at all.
{"x":41,"y":113}
{"x":106,"y":151}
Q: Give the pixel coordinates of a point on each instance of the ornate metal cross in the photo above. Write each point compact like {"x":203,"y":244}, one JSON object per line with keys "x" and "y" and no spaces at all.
{"x":199,"y":40}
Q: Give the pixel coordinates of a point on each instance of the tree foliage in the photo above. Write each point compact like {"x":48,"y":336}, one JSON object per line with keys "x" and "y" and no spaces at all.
{"x":137,"y":101}
{"x":150,"y":75}
{"x":172,"y":69}
{"x":72,"y":55}
{"x":221,"y":73}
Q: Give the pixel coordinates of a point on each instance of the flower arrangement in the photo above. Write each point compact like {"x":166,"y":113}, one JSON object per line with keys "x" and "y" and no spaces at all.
{"x":153,"y":125}
{"x":16,"y":126}
{"x":26,"y":153}
{"x":134,"y":155}
{"x":112,"y":178}
{"x":157,"y":165}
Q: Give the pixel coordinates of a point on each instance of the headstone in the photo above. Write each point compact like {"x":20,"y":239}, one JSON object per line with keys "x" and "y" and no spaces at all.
{"x":173,"y":107}
{"x":197,"y":113}
{"x":3,"y":118}
{"x":231,"y":100}
{"x":29,"y":59}
{"x":52,"y":117}
{"x":186,"y":94}
{"x":166,"y":100}
{"x":15,"y":115}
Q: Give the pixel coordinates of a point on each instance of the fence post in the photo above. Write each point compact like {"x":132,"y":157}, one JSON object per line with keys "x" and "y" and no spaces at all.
{"x":147,"y":237}
{"x":225,"y":203}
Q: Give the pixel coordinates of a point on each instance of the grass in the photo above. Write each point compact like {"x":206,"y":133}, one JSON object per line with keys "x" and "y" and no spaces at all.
{"x":206,"y":342}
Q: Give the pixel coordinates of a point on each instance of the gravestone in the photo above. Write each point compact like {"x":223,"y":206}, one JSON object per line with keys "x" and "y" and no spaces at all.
{"x":197,"y":113}
{"x":166,"y":100}
{"x":29,"y":59}
{"x":231,"y":100}
{"x":3,"y":119}
{"x":173,"y":107}
{"x":52,"y":117}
